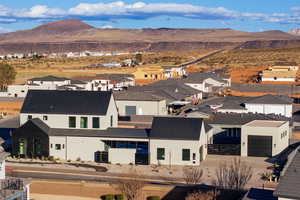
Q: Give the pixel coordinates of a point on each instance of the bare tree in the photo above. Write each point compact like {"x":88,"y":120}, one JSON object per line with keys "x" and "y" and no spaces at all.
{"x":198,"y":195}
{"x":192,"y":175}
{"x":234,"y":175}
{"x":131,"y":187}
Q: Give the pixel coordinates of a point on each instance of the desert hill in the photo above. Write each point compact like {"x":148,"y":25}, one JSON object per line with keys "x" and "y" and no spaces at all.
{"x":75,"y":35}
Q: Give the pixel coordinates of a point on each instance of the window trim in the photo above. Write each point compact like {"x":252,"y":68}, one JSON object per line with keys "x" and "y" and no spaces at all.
{"x":183,"y":155}
{"x":163,"y":153}
{"x":98,"y":124}
{"x":73,"y":117}
{"x":82,"y":124}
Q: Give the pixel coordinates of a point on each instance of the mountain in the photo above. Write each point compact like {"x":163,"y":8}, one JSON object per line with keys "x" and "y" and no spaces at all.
{"x":75,"y":35}
{"x":295,"y":31}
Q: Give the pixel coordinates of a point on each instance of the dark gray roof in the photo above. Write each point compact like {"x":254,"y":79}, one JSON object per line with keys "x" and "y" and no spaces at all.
{"x":66,"y":102}
{"x":271,"y":99}
{"x":110,"y":133}
{"x":76,"y":81}
{"x":10,"y":122}
{"x":176,"y":128}
{"x":171,"y":89}
{"x":199,"y":77}
{"x":259,"y":194}
{"x":242,"y":118}
{"x":49,"y":78}
{"x":289,"y":183}
{"x":232,"y":105}
{"x":130,"y":95}
{"x":115,"y":77}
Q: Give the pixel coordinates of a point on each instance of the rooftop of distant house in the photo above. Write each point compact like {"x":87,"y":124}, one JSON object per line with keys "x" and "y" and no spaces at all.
{"x":265,"y":123}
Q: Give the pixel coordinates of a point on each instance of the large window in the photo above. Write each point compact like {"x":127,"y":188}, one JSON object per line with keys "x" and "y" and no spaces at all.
{"x":186,"y":155}
{"x":96,"y":122}
{"x":83,"y":122}
{"x":72,"y":122}
{"x":160,"y":153}
{"x":130,"y":110}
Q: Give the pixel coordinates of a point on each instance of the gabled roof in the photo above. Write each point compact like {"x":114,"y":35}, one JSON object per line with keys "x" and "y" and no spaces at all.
{"x":270,"y":99}
{"x":76,"y":81}
{"x":66,"y":102}
{"x":289,"y":183}
{"x":242,"y":118}
{"x":199,"y":77}
{"x":129,"y":95}
{"x":176,"y":128}
{"x":49,"y":78}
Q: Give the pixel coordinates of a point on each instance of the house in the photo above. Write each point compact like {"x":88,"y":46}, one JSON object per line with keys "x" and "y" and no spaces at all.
{"x":70,"y":109}
{"x":264,"y":138}
{"x":271,"y":104}
{"x":21,"y":90}
{"x":207,"y":81}
{"x":282,"y":72}
{"x":55,"y":123}
{"x":173,"y":71}
{"x":114,"y":81}
{"x":178,"y":141}
{"x":140,"y":103}
{"x":267,"y":104}
{"x":49,"y":80}
{"x":12,"y":188}
{"x":288,"y":187}
{"x":149,"y":73}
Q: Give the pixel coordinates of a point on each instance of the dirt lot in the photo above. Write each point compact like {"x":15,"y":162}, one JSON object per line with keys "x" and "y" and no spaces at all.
{"x":58,"y":190}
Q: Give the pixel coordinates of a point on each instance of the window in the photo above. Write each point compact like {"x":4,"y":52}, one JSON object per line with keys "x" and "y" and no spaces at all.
{"x":45,"y":117}
{"x":96,"y":122}
{"x":57,"y":146}
{"x":51,"y":146}
{"x":83,"y":122}
{"x":111,"y":120}
{"x":186,"y":155}
{"x":130,"y":110}
{"x":29,"y":117}
{"x":72,"y":122}
{"x":160,"y":153}
{"x":194,"y":156}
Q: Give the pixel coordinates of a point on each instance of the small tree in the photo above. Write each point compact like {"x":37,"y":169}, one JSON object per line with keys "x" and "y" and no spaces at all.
{"x":198,"y":195}
{"x":234,"y":175}
{"x":7,"y":75}
{"x":132,"y":187}
{"x":192,"y":175}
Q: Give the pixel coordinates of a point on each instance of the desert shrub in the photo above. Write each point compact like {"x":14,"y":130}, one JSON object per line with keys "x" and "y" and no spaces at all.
{"x":119,"y":197}
{"x":153,"y":198}
{"x":107,"y":197}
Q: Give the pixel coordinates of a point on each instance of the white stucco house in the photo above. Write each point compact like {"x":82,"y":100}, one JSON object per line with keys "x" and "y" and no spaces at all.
{"x":271,"y":104}
{"x":264,"y":138}
{"x":140,"y":103}
{"x":62,"y":123}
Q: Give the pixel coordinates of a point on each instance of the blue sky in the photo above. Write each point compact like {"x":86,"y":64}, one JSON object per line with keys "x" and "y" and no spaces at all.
{"x":246,"y":15}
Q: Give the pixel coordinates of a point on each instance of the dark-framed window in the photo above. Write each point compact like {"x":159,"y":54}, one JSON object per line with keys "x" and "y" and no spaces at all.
{"x":57,"y":146}
{"x":160,"y":153}
{"x":45,"y":117}
{"x":72,"y":122}
{"x":96,"y":122}
{"x":29,"y":117}
{"x":111,"y":120}
{"x":83,"y":122}
{"x":186,"y":154}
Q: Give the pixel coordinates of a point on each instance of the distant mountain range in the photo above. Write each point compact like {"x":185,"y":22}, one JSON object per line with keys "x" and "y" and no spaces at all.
{"x":75,"y":35}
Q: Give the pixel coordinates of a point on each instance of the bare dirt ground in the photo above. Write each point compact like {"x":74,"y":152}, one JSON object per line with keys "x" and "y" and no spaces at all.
{"x":45,"y":189}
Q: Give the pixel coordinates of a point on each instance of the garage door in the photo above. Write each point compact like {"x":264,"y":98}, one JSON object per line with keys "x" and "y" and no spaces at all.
{"x":260,"y":146}
{"x":130,"y":110}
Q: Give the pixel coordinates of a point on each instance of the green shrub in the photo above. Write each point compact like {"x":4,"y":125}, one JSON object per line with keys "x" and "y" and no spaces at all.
{"x":153,"y":198}
{"x":119,"y":197}
{"x":107,"y":197}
